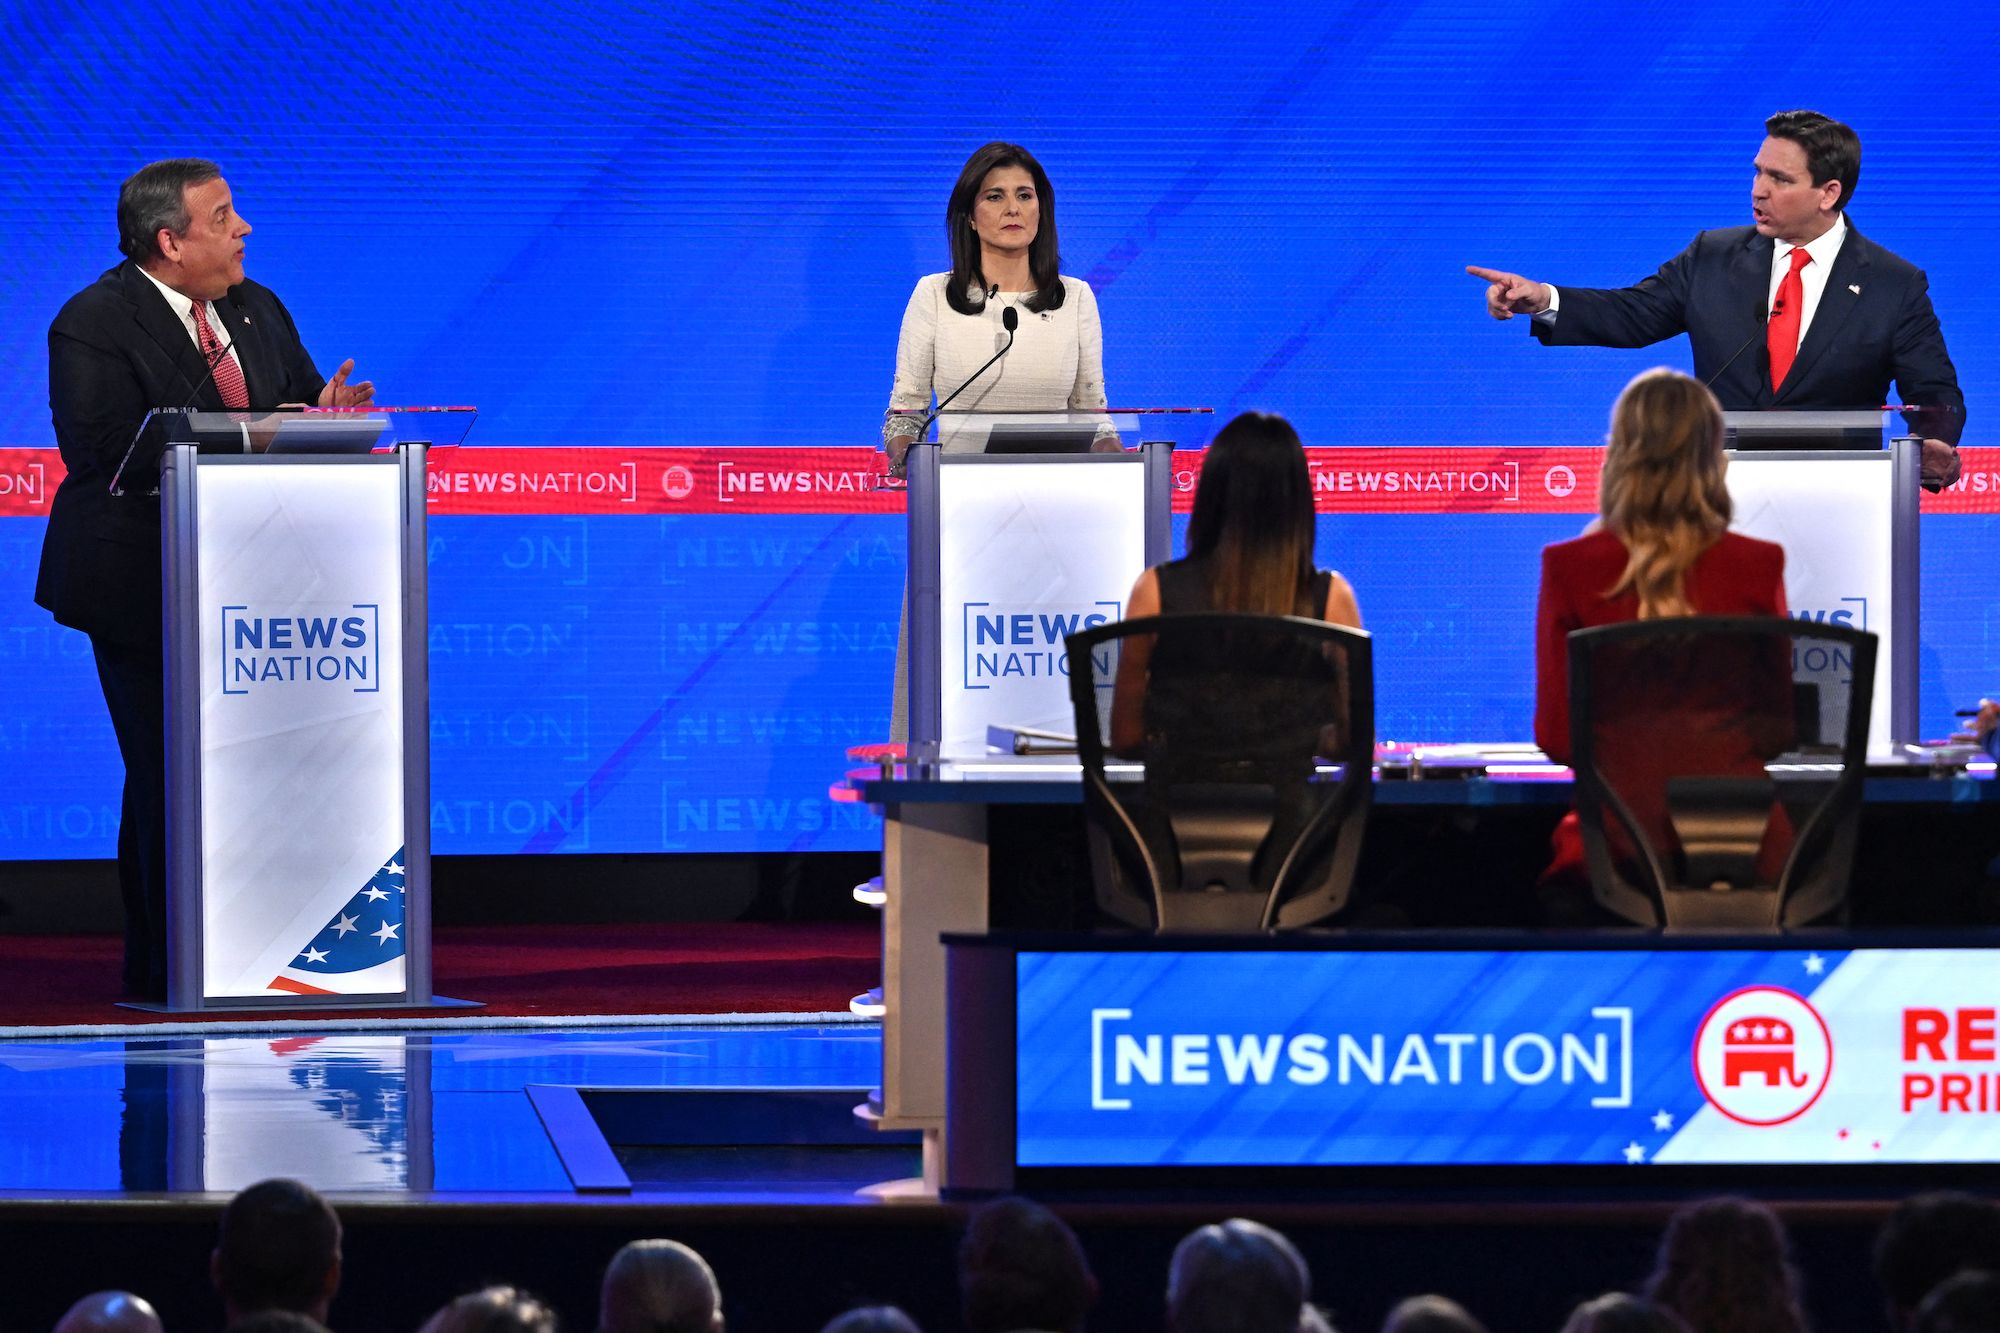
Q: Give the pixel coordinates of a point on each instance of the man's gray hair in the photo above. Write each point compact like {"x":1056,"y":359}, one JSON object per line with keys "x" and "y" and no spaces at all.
{"x":155,"y":196}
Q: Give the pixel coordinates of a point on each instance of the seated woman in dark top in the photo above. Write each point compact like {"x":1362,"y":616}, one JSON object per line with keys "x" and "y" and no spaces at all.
{"x":1249,"y":548}
{"x":1661,"y":547}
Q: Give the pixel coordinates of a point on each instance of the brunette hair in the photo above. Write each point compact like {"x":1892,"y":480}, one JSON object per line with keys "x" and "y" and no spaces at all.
{"x":1252,"y":524}
{"x":1661,"y":491}
{"x":1833,"y":150}
{"x":966,"y":291}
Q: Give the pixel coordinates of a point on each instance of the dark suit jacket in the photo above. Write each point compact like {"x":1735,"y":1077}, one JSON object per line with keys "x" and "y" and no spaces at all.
{"x":1874,"y":324}
{"x":116,"y":351}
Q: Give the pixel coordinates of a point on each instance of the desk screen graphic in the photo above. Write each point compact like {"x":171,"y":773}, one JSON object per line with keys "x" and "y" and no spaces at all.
{"x":1630,"y":1057}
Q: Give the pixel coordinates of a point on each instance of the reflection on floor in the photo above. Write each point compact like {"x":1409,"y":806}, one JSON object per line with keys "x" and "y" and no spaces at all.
{"x":418,"y":1115}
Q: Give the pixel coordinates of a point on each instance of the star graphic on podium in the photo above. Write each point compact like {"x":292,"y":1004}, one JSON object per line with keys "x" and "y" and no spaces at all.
{"x":1634,"y":1154}
{"x":314,"y":955}
{"x":384,"y":935}
{"x":1663,"y":1120}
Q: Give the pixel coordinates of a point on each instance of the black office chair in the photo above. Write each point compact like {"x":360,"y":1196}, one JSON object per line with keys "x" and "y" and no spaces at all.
{"x":1234,"y":826}
{"x":1674,"y":724}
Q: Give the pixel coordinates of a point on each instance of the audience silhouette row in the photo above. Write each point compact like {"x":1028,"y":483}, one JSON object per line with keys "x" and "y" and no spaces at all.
{"x":1723,"y":1266}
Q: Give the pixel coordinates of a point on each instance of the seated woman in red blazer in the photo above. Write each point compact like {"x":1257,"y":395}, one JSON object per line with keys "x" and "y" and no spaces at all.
{"x":1661,"y":547}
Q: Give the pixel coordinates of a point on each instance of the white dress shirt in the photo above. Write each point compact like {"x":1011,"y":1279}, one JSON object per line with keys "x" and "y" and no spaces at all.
{"x":183,"y":308}
{"x":1812,"y":278}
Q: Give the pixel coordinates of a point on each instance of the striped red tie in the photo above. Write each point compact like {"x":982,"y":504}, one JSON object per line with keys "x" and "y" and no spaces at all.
{"x":1786,"y":313}
{"x":228,"y":375}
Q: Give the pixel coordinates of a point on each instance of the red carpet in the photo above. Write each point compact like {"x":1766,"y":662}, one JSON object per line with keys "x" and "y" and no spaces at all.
{"x":517,"y":971}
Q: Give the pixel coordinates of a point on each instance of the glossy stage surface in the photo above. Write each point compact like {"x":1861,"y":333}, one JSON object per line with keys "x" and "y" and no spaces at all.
{"x":447,"y":1116}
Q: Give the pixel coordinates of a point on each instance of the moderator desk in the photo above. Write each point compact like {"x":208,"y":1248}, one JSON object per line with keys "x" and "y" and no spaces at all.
{"x":935,"y":863}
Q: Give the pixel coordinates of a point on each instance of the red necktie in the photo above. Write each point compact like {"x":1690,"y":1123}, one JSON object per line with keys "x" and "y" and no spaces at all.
{"x":1782,"y":333}
{"x":228,"y":375}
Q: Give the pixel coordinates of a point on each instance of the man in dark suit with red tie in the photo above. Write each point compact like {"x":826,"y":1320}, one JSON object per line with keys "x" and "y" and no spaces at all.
{"x":175,"y":324}
{"x":1798,"y":310}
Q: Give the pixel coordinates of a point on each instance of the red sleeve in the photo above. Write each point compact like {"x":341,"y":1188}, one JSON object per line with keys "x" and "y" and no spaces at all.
{"x":1778,"y":606}
{"x":1552,"y":627}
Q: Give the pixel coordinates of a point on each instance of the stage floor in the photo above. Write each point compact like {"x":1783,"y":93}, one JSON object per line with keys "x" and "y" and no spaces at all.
{"x":449,"y":1116}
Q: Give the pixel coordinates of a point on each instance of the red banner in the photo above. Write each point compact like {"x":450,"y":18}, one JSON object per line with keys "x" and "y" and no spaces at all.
{"x":716,"y":480}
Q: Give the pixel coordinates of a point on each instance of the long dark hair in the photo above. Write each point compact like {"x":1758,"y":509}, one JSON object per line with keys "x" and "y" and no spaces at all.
{"x":1253,"y":516}
{"x":967,"y":289}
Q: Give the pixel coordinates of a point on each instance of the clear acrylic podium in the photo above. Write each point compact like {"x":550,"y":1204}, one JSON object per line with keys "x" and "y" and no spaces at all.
{"x":298,"y":782}
{"x":1843,"y":502}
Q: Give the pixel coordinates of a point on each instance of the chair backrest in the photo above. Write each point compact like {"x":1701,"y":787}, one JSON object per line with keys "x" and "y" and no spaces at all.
{"x":1674,"y":724}
{"x":1257,"y":734}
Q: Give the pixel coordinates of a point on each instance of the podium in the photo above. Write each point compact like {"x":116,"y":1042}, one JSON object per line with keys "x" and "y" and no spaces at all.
{"x":1035,"y":530}
{"x":298,"y":782}
{"x":1023,"y":527}
{"x":1847,"y":515}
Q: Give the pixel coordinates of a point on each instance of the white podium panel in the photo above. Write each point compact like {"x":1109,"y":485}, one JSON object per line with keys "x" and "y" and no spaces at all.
{"x":1028,"y":552}
{"x":303,"y":847}
{"x":1836,"y":516}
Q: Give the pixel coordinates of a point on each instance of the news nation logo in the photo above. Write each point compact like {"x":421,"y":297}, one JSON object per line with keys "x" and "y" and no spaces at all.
{"x":1004,"y":642}
{"x":1763,"y":1056}
{"x":291,"y":652}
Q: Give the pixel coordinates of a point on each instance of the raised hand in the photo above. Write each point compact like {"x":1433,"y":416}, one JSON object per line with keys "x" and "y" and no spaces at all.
{"x":1510,"y":294}
{"x":339,"y":393}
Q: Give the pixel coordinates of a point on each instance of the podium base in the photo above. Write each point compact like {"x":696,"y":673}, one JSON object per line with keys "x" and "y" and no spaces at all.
{"x":259,"y":1004}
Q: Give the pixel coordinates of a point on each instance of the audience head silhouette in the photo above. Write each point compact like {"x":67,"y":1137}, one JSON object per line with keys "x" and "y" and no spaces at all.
{"x":1431,"y":1314}
{"x":872,"y":1319}
{"x":1616,"y":1312}
{"x":1236,"y":1277}
{"x":1661,"y":490}
{"x":278,"y":1249}
{"x":110,"y":1312}
{"x":1724,"y":1267}
{"x":659,"y":1286}
{"x":1020,"y":1267}
{"x":493,"y":1310}
{"x":1967,"y":1303}
{"x":1926,"y":1240}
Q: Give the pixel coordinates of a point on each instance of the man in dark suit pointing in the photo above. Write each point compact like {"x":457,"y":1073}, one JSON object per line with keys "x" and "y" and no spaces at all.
{"x":145,"y":335}
{"x":1798,"y":310}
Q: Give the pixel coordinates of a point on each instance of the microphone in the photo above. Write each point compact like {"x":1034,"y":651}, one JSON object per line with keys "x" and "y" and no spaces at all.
{"x":1763,"y":329}
{"x":1010,"y":320}
{"x":214,"y":359}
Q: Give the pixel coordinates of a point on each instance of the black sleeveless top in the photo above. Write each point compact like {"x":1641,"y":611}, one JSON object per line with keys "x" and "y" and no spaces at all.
{"x":1184,"y":590}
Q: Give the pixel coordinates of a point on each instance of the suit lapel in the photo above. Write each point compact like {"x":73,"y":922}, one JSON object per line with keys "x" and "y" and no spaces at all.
{"x":157,"y":319}
{"x":1749,"y":295}
{"x":260,"y":375}
{"x":1844,"y":286}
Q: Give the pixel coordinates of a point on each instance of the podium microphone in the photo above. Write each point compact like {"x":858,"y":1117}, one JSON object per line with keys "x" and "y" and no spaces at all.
{"x":214,"y":359}
{"x":1010,"y":319}
{"x":1763,"y":332}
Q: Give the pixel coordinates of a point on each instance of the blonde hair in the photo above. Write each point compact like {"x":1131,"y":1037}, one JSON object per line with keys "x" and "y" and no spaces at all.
{"x":1661,"y":491}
